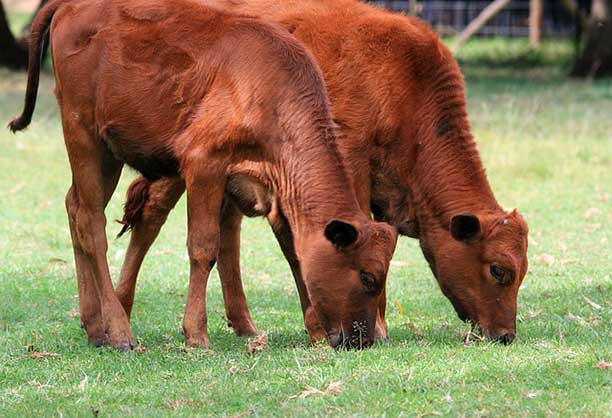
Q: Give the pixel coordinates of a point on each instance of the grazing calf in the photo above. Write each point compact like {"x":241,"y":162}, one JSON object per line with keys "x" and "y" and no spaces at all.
{"x":398,"y":97}
{"x":239,"y":109}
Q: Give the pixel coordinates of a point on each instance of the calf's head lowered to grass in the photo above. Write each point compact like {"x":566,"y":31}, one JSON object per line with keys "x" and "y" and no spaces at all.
{"x":345,"y":272}
{"x":480,"y":268}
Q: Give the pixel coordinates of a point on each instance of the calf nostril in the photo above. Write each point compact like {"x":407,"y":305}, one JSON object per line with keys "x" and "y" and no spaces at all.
{"x":335,"y":340}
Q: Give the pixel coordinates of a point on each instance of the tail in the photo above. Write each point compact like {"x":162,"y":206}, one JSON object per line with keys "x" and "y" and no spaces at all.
{"x":39,"y":35}
{"x":136,"y":199}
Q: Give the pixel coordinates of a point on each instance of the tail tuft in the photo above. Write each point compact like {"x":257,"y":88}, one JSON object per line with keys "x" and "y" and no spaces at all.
{"x":18,"y":124}
{"x":136,"y":200}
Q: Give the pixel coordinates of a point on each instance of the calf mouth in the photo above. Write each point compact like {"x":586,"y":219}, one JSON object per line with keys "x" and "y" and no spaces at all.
{"x":357,"y":339}
{"x":478,"y":334}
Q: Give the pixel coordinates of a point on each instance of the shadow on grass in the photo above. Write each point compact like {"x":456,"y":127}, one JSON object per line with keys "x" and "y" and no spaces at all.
{"x":562,"y":317}
{"x":45,"y":317}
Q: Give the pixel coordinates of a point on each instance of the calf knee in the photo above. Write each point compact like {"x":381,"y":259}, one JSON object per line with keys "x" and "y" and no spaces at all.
{"x":72,"y":204}
{"x":90,"y":229}
{"x":203,"y":253}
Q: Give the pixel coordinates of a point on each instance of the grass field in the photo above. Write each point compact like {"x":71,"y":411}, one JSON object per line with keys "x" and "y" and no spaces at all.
{"x":547,"y":145}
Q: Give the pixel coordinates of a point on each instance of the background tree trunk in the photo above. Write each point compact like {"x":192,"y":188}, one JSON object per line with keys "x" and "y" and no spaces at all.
{"x":595,"y":60}
{"x":13,"y":54}
{"x":535,"y":23}
{"x":475,"y":25}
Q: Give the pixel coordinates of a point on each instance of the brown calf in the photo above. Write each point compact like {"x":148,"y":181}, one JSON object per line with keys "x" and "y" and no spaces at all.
{"x":398,"y":97}
{"x":238,"y":108}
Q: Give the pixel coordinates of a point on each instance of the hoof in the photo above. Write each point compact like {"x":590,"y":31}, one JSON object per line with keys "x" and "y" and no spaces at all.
{"x":97,"y":342}
{"x":96,"y":335}
{"x":245,"y":329}
{"x":125,"y":346}
{"x":123,"y":343}
{"x":198,"y":342}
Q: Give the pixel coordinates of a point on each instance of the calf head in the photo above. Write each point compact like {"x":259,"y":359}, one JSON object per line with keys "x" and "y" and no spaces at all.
{"x":480,"y":262}
{"x":345,"y":272}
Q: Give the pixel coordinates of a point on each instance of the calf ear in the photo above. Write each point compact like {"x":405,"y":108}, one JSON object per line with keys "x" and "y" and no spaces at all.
{"x":465,"y":227}
{"x":341,"y":234}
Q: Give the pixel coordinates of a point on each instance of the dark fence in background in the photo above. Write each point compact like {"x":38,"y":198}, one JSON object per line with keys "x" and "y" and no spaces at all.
{"x":448,"y":17}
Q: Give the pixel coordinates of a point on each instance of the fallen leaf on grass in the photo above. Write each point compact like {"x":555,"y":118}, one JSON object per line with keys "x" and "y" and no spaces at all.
{"x":571,"y":317}
{"x":533,"y":394}
{"x":74,"y":313}
{"x":604,"y":365}
{"x":334,"y":388}
{"x":257,"y":344}
{"x":140,"y":349}
{"x":547,"y":259}
{"x":472,"y":338}
{"x":533,"y":314}
{"x":590,"y":302}
{"x":310,"y":391}
{"x":41,"y":355}
{"x":591,"y":212}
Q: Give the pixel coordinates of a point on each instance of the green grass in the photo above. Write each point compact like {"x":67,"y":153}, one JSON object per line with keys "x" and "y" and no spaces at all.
{"x":547,"y":145}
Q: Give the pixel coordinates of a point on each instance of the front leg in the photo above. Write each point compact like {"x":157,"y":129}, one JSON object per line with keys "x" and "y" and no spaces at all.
{"x":205,"y":188}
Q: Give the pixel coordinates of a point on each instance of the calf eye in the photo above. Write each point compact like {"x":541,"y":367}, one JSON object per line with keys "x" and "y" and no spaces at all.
{"x":500,"y":274}
{"x":367,"y":279}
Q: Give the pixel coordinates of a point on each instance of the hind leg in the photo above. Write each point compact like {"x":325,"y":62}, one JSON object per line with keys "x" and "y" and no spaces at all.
{"x":228,"y":265}
{"x":162,"y":196}
{"x":89,"y":302}
{"x":95,"y":174}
